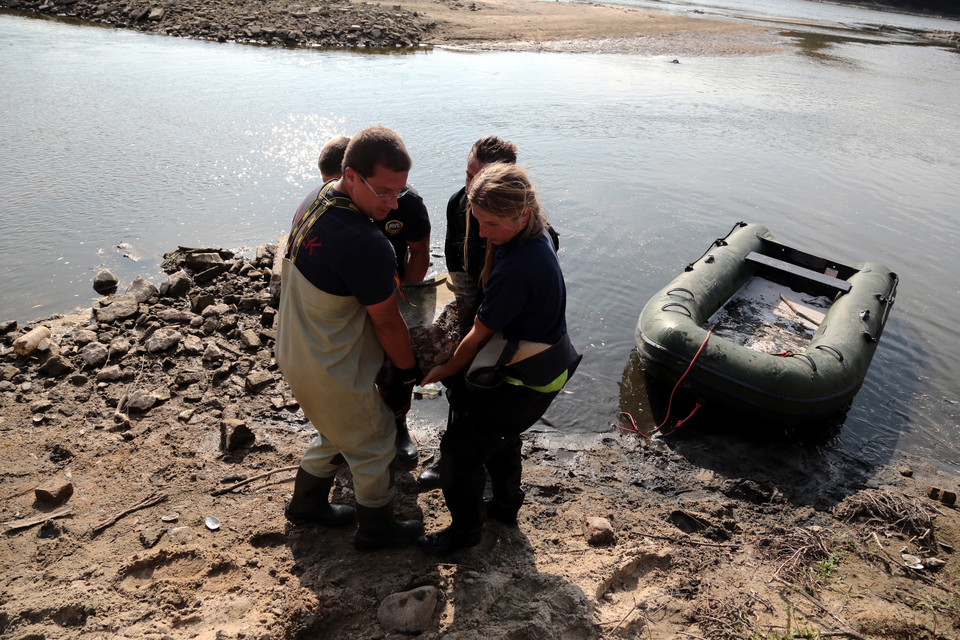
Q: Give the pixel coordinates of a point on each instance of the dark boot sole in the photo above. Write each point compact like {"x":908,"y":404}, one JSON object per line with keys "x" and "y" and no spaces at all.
{"x":443,"y":542}
{"x":343,"y":517}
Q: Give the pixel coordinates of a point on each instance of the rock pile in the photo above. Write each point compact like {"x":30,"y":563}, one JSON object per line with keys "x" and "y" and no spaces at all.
{"x":328,"y":23}
{"x":204,"y":336}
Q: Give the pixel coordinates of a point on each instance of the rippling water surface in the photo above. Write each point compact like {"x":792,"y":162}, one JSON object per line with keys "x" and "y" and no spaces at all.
{"x":117,"y":146}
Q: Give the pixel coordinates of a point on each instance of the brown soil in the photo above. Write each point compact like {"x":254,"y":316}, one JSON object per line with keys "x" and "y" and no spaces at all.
{"x":709,"y":542}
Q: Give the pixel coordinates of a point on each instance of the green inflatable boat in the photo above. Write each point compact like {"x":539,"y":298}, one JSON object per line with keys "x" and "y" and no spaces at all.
{"x":767,"y":330}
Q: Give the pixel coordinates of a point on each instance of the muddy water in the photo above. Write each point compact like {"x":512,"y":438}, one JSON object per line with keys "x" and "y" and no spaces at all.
{"x":117,"y":146}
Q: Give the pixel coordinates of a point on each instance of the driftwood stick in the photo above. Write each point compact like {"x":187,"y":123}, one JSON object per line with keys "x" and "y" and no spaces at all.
{"x":15,"y":525}
{"x":798,"y":312}
{"x":693,"y":542}
{"x":220,"y":492}
{"x":149,"y":501}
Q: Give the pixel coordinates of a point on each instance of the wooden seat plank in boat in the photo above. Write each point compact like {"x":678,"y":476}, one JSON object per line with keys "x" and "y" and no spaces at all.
{"x":835,"y":285}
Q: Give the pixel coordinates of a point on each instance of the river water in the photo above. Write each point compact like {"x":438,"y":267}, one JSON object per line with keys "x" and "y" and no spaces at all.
{"x":117,"y":146}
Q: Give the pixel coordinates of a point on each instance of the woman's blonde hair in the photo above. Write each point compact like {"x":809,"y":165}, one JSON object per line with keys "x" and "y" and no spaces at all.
{"x":504,"y":191}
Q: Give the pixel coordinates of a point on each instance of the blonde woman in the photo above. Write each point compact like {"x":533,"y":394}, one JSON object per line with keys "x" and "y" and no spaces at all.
{"x":510,"y":366}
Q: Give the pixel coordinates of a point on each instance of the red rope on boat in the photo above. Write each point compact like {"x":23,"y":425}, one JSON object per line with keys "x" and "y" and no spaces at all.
{"x":677,"y":386}
{"x":633,"y":423}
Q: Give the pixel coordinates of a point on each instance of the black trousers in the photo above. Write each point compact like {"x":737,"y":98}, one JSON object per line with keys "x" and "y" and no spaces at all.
{"x":483,"y":436}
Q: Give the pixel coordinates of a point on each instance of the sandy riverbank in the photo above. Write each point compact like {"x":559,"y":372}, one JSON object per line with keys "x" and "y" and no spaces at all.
{"x":164,"y":406}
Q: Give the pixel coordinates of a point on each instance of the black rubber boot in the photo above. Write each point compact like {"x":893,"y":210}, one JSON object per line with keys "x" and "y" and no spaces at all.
{"x":504,"y":514}
{"x":429,"y":478}
{"x":310,"y":505}
{"x":451,"y":539}
{"x":463,"y":493}
{"x":407,"y":455}
{"x":505,"y":471}
{"x":379,"y":530}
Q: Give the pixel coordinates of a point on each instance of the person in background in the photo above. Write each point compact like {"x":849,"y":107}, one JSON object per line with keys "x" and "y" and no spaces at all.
{"x":520,"y":326}
{"x":408,"y":229}
{"x":338,"y":317}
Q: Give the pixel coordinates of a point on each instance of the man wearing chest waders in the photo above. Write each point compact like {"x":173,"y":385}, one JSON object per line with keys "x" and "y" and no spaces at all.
{"x":338,"y":317}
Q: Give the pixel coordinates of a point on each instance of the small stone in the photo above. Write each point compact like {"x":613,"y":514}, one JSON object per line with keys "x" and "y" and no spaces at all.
{"x":56,"y":366}
{"x":84,"y":337}
{"x":105,"y":282}
{"x":202,"y":261}
{"x":216,"y":310}
{"x":119,"y":347}
{"x":177,"y":285}
{"x":597,"y":531}
{"x":906,"y":471}
{"x":141,"y":401}
{"x":93,"y":355}
{"x":117,"y":308}
{"x":259,"y":380}
{"x":212,"y":354}
{"x":54,"y":491}
{"x":409,"y":611}
{"x":141,"y":290}
{"x":933,"y":493}
{"x":198,"y":304}
{"x":235,"y":434}
{"x":249,"y":339}
{"x":150,"y":537}
{"x":948,"y":498}
{"x":109,"y":374}
{"x":163,"y":340}
{"x":192,"y":345}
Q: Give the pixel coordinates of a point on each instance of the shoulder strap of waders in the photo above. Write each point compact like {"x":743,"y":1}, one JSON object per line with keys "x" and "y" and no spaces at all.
{"x":300,"y":227}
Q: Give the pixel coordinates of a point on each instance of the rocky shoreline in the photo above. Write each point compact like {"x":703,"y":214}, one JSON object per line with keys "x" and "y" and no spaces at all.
{"x":330,"y":23}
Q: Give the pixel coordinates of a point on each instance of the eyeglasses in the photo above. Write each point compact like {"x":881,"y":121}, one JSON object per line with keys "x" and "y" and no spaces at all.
{"x":382,"y":196}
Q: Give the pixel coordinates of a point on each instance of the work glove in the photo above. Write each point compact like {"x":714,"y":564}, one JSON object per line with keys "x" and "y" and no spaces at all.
{"x":396,"y":388}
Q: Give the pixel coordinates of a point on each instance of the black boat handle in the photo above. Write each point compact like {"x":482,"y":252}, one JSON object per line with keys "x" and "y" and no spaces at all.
{"x":687,"y":291}
{"x":813,"y":365}
{"x":832,"y":351}
{"x":686,"y":311}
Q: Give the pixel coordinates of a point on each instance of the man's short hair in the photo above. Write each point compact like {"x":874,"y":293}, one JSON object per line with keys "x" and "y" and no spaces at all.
{"x":331,"y":156}
{"x":376,"y":147}
{"x":490,"y":149}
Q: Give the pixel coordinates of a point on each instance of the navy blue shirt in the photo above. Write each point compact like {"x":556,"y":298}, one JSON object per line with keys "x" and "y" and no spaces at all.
{"x":409,"y":222}
{"x":525,"y":296}
{"x":345,"y":254}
